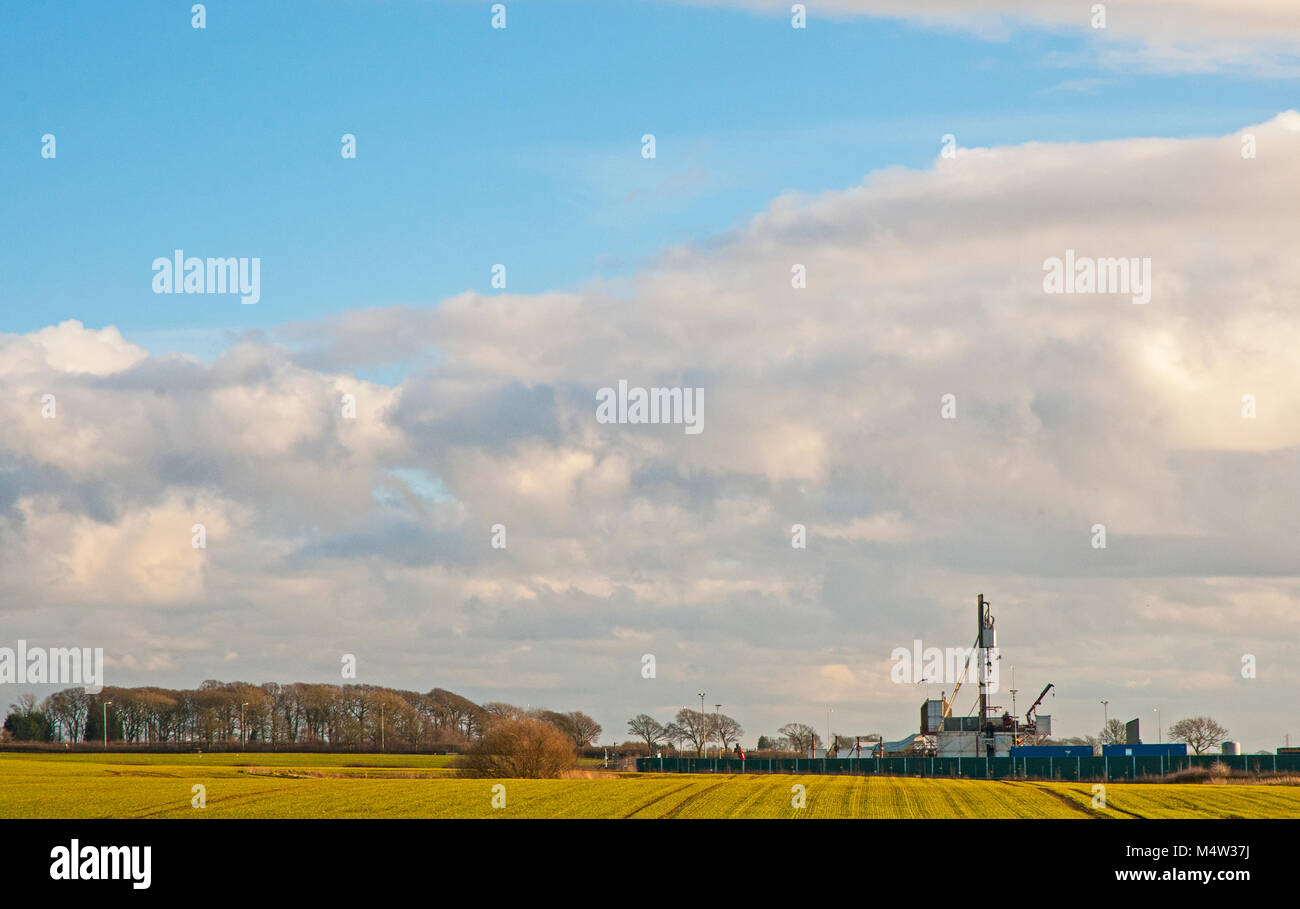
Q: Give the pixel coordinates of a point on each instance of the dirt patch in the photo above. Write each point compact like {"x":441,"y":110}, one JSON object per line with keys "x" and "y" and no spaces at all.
{"x":590,"y":775}
{"x":345,"y":773}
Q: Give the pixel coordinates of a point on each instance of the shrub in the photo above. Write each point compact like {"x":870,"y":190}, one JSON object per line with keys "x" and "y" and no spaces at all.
{"x":521,"y":748}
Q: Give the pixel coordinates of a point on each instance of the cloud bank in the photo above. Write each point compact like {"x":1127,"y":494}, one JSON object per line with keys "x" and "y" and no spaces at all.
{"x":329,"y":534}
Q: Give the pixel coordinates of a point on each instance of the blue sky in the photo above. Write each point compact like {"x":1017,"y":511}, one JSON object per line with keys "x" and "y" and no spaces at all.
{"x":368,"y":534}
{"x":478,"y":146}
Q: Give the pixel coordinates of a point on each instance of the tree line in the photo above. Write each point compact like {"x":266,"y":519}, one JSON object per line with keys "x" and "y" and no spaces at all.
{"x":697,"y":730}
{"x":350,"y":716}
{"x":689,"y":727}
{"x":357,"y":716}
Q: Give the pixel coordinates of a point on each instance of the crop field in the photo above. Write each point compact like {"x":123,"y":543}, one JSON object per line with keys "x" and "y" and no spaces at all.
{"x":402,"y":786}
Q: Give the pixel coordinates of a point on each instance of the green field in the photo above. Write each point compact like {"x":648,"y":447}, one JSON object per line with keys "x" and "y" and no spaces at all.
{"x":334,"y":785}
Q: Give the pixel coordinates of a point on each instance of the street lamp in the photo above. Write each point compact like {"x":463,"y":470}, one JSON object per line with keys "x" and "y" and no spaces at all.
{"x":829,"y":711}
{"x":107,"y":704}
{"x":1105,"y":714}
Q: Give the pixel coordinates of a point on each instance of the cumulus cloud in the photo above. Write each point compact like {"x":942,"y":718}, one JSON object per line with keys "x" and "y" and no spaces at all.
{"x":68,"y":348}
{"x":371,"y":535}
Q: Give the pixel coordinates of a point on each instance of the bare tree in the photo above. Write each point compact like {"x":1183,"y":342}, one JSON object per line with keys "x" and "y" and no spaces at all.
{"x":68,"y":708}
{"x":726,"y":730}
{"x":501,"y":710}
{"x":647,"y":728}
{"x":1113,"y":733}
{"x":695,"y":727}
{"x":675,"y":734}
{"x":457,"y":712}
{"x":802,"y":737}
{"x":585,"y":730}
{"x":1199,"y":732}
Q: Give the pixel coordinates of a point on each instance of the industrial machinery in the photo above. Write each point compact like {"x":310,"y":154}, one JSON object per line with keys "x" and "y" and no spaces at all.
{"x":992,"y":731}
{"x":1033,"y":711}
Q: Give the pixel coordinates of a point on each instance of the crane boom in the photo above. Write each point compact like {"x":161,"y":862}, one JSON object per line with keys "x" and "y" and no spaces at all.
{"x":948,"y":704}
{"x":1032,"y":712}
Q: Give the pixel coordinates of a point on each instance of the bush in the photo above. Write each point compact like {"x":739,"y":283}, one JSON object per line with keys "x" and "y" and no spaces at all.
{"x":522,"y":748}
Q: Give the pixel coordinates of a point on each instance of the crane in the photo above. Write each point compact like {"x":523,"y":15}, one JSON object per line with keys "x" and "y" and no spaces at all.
{"x":948,"y":704}
{"x":1033,"y":711}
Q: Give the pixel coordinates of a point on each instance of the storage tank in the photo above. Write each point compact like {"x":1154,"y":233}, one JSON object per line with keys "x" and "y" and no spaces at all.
{"x":1230,"y":748}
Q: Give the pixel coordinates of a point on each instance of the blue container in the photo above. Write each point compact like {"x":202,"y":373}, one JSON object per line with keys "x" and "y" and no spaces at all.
{"x":1178,"y":750}
{"x":1033,"y":751}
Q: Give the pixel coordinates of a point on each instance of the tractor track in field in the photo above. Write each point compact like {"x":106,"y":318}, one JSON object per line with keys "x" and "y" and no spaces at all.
{"x":686,"y":801}
{"x":223,"y":801}
{"x":658,"y":798}
{"x":1086,"y":809}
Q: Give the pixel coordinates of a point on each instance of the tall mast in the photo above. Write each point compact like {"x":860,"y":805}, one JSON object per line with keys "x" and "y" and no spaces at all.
{"x":981,"y":653}
{"x":986,"y":640}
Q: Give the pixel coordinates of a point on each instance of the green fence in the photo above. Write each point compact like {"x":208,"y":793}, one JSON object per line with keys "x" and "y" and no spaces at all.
{"x":1049,"y":768}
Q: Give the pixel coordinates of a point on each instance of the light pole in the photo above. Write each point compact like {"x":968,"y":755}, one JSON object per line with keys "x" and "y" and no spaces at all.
{"x":717,"y":725}
{"x":829,"y":711}
{"x":107,"y":704}
{"x":1105,"y":714}
{"x":1159,"y":734}
{"x":703,"y":731}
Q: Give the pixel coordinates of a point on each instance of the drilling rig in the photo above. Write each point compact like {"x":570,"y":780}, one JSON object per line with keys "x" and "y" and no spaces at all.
{"x":991,"y":731}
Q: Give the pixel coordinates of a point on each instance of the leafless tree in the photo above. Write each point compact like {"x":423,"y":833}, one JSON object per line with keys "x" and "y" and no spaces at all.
{"x":648,"y":729}
{"x":1199,"y":732}
{"x":695,"y":726}
{"x":68,"y":708}
{"x":802,"y":737}
{"x":726,"y":730}
{"x":1113,"y":733}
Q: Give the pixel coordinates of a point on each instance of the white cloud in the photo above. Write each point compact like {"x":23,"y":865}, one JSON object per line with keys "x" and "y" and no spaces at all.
{"x":823,"y":408}
{"x":1175,"y":35}
{"x":69,"y":348}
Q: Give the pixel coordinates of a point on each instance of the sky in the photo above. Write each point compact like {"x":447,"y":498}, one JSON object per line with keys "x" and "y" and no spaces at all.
{"x":475,"y":404}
